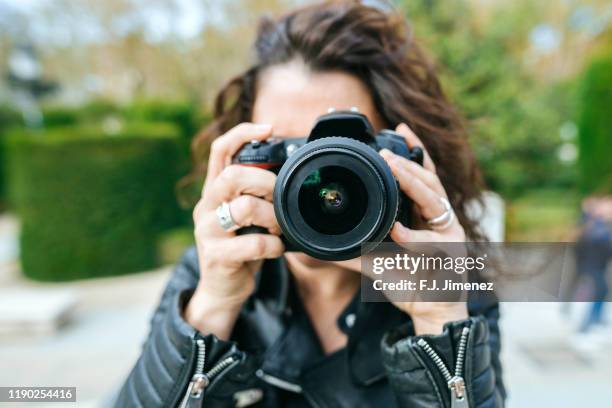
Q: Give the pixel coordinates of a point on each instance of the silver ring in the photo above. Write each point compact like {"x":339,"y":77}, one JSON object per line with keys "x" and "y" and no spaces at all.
{"x":444,"y":220}
{"x":224,"y":215}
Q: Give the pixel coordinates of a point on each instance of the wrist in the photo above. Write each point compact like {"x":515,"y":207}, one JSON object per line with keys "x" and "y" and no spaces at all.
{"x":435,"y":324}
{"x":212,"y":315}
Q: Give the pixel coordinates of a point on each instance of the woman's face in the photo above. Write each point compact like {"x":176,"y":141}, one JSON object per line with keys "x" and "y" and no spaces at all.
{"x":290,"y":97}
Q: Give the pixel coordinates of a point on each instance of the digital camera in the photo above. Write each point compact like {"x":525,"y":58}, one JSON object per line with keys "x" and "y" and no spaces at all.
{"x":335,"y":197}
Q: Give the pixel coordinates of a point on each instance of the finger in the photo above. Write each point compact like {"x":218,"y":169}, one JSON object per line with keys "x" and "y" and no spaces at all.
{"x":402,"y":234}
{"x":413,"y":141}
{"x":226,"y":146}
{"x":246,"y":210}
{"x":237,"y":250}
{"x":427,"y":200}
{"x":198,"y":212}
{"x":236,"y":180}
{"x":426,"y":176}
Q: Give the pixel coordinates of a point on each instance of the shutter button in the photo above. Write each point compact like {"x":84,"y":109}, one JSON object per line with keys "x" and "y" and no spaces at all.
{"x":255,"y":144}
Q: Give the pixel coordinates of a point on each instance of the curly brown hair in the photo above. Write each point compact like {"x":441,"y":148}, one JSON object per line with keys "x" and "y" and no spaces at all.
{"x":376,"y":46}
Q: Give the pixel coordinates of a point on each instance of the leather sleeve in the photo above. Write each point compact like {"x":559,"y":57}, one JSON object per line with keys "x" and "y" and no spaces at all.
{"x":418,"y":382}
{"x":162,"y":371}
{"x":165,"y":368}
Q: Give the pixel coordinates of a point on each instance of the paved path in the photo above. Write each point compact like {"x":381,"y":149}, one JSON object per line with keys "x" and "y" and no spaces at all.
{"x":543,"y":364}
{"x":96,"y":349}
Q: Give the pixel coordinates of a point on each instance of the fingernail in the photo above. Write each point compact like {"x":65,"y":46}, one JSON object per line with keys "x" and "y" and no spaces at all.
{"x":389,"y":156}
{"x":386,"y":153}
{"x":263,"y":127}
{"x":402,"y":126}
{"x":395,"y":229}
{"x":399,"y":232}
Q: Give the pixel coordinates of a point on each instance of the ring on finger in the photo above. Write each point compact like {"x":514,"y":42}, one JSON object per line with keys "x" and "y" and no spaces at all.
{"x":224,"y":216}
{"x":444,"y":220}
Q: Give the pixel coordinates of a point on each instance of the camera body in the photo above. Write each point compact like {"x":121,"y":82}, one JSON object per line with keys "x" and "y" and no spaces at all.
{"x":335,"y":197}
{"x":272,"y":154}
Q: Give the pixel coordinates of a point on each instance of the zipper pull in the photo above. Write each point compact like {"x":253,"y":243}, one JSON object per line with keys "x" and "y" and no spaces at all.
{"x":195,"y":391}
{"x":456,"y":383}
{"x":199,"y":381}
{"x":458,"y":396}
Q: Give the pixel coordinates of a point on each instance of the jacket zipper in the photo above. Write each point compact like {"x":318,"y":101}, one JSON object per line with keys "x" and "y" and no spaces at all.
{"x":456,"y":383}
{"x":277,"y":382}
{"x":200,"y":379}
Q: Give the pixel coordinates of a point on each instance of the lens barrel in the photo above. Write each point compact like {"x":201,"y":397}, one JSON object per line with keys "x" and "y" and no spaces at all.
{"x":333,"y":196}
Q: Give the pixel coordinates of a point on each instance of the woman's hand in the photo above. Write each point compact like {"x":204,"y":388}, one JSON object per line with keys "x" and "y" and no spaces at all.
{"x":424,"y":188}
{"x":228,"y":262}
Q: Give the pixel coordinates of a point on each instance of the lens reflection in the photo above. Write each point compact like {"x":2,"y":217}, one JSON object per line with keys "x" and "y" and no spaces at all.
{"x":332,"y":200}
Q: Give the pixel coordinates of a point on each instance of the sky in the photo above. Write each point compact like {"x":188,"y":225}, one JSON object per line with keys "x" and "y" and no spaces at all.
{"x":186,"y":20}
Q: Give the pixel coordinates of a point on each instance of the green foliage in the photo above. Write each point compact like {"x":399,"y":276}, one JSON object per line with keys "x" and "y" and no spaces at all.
{"x":513,"y":118}
{"x":545,"y":215}
{"x":57,"y":116}
{"x":181,"y":114}
{"x":172,"y":244}
{"x":9,"y":118}
{"x":184,"y":115}
{"x":189,"y":118}
{"x":92,"y":204}
{"x":97,"y":110}
{"x":595,"y":126}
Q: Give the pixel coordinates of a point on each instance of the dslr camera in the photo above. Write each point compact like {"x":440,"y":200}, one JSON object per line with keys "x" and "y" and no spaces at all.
{"x":335,"y":197}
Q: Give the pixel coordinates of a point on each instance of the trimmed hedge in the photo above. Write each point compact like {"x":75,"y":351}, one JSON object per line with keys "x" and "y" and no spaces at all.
{"x":59,"y":116}
{"x":9,"y":118}
{"x":186,"y":116}
{"x":595,"y":127}
{"x":90,"y":204}
{"x":182,"y":114}
{"x":92,"y":112}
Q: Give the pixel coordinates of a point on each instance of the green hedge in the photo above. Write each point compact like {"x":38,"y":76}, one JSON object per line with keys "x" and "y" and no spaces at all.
{"x":59,"y":116}
{"x":91,"y":204}
{"x":595,"y":127}
{"x":9,"y":118}
{"x":187,"y":116}
{"x":180,"y":113}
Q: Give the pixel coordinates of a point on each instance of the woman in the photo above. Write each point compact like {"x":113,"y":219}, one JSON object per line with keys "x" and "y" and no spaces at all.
{"x":243,"y":323}
{"x":593,"y":253}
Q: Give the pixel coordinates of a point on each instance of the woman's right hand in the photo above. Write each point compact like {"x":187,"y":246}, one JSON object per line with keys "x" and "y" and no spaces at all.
{"x":228,"y":262}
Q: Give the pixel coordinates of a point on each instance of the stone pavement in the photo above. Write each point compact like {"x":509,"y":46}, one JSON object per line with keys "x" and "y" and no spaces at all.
{"x":544,"y":365}
{"x":96,"y":348}
{"x":547,"y":365}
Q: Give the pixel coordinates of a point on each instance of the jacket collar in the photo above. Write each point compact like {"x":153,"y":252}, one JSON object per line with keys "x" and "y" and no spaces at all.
{"x":293,"y":351}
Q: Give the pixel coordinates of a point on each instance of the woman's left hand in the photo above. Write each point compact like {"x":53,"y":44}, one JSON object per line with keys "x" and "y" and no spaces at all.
{"x":422,"y":185}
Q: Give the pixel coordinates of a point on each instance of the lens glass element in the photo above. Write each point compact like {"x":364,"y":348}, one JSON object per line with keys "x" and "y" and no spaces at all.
{"x":333,"y":200}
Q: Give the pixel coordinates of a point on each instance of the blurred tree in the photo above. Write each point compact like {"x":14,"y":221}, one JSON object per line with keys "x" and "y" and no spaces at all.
{"x":513,"y":116}
{"x":119,"y":49}
{"x":507,"y":65}
{"x":595,"y":126}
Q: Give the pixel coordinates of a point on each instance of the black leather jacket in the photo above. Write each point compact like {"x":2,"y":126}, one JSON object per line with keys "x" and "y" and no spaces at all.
{"x":275,"y":360}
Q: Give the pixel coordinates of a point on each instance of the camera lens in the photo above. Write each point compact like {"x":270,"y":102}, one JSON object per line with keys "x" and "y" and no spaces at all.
{"x":332,"y":200}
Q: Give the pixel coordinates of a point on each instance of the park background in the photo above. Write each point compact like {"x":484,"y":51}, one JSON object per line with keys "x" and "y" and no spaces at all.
{"x":99,"y":102}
